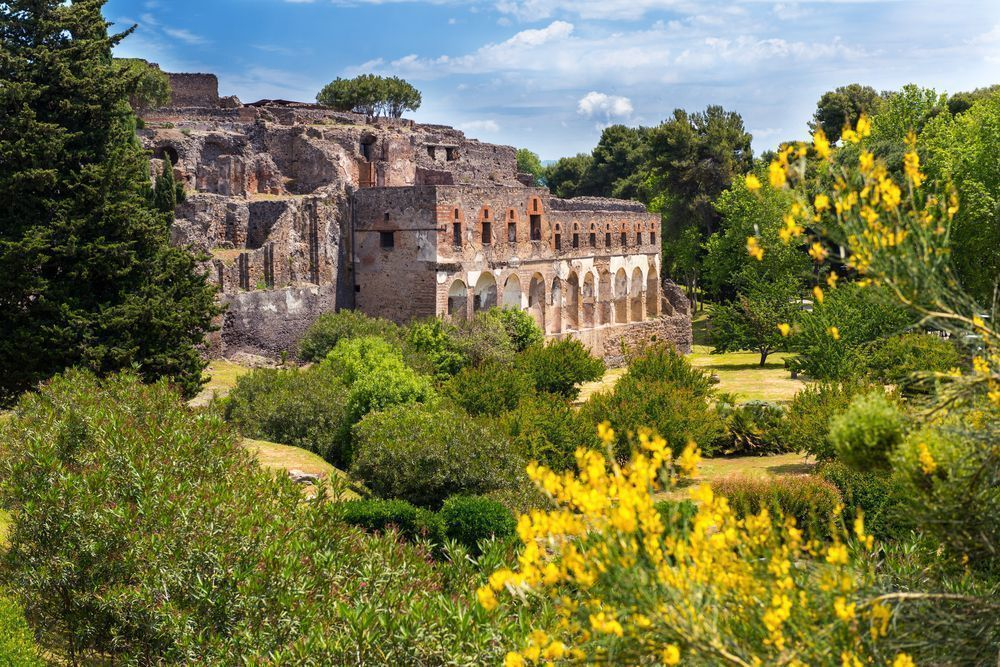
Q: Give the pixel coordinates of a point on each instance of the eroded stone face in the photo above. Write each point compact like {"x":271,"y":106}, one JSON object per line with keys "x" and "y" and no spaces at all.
{"x":303,"y":210}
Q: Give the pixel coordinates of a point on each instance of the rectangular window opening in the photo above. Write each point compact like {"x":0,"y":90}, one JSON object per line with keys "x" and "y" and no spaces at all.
{"x":593,"y":240}
{"x":536,"y":228}
{"x":487,"y":234}
{"x":558,"y":242}
{"x":387,"y":240}
{"x":624,"y":239}
{"x":607,"y":239}
{"x":456,"y":234}
{"x":511,"y":232}
{"x":576,"y":240}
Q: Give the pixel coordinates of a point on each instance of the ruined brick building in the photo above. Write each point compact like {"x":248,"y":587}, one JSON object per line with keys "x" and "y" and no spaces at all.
{"x":304,"y":210}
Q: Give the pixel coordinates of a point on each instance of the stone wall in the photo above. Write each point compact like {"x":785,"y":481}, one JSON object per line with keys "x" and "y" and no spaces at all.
{"x":194,"y":90}
{"x":271,"y":322}
{"x":606,"y":342}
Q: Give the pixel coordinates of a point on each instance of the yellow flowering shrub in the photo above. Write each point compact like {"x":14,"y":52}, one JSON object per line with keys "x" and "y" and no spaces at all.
{"x":631,"y":586}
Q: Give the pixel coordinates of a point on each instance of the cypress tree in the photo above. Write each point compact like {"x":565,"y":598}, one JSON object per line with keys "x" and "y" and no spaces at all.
{"x":89,"y":278}
{"x":165,"y":193}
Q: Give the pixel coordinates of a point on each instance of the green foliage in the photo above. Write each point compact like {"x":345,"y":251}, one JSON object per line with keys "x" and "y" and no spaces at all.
{"x":810,"y":500}
{"x":304,"y":409}
{"x":90,"y":278}
{"x":843,"y":106}
{"x":371,"y":95}
{"x":425,"y":454}
{"x":566,"y":177}
{"x":148,"y":86}
{"x":520,"y":327}
{"x":866,"y":434}
{"x":529,"y":163}
{"x":807,"y":423}
{"x":165,"y":190}
{"x":354,"y":358}
{"x":472,"y":519}
{"x":145,"y":534}
{"x":860,"y":315}
{"x":900,"y":360}
{"x":546,"y":428}
{"x":754,"y":428}
{"x":484,"y":337}
{"x":377,"y":515}
{"x":330,"y":328}
{"x":17,"y":643}
{"x":677,"y":515}
{"x":661,"y":362}
{"x":559,"y":366}
{"x":906,"y":110}
{"x":750,"y":321}
{"x":874,"y":495}
{"x":490,"y":389}
{"x":433,"y":338}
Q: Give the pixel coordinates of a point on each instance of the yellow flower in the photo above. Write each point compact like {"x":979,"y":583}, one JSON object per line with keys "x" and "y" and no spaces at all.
{"x":821,"y":203}
{"x":980,"y":366}
{"x":864,"y":127}
{"x":753,"y":183}
{"x":903,"y":660}
{"x":671,"y":655}
{"x":880,"y":620}
{"x":927,"y":462}
{"x":821,"y":145}
{"x":834,"y":333}
{"x":866,"y":162}
{"x":513,"y":660}
{"x":818,"y":252}
{"x":832,"y":279}
{"x":844,"y":611}
{"x":486,"y":598}
{"x":776,"y":174}
{"x":849,"y":660}
{"x":911,"y":164}
{"x":689,"y":459}
{"x":818,"y":294}
{"x":849,"y":135}
{"x":836,"y":554}
{"x":754,"y":249}
{"x":554,"y":651}
{"x":785,"y":329}
{"x":532,"y":653}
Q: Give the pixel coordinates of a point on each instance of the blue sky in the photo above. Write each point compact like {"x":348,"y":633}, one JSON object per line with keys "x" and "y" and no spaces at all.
{"x":549,"y":74}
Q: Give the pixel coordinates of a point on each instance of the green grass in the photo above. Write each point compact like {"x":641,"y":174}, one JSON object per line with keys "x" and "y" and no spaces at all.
{"x":283,"y":457}
{"x":710,"y":470}
{"x":221,"y":375}
{"x":4,"y":528}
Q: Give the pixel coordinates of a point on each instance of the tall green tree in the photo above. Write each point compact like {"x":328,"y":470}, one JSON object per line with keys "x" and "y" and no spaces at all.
{"x":618,"y":166}
{"x":567,"y":177}
{"x":151,"y":85}
{"x":165,"y":190}
{"x":89,"y":276}
{"x":528,"y":162}
{"x":843,"y":106}
{"x":751,"y":320}
{"x":371,"y":95}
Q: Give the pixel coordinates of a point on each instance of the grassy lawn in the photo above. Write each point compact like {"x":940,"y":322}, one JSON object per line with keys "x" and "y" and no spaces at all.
{"x":222,"y":375}
{"x":4,"y":527}
{"x":282,"y":457}
{"x":743,"y":466}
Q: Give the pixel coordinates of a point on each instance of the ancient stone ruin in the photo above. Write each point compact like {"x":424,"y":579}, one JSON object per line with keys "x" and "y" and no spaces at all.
{"x":305,"y":210}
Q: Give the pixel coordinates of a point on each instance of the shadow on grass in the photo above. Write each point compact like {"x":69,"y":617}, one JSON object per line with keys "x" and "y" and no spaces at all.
{"x":747,"y":367}
{"x":792,"y":469}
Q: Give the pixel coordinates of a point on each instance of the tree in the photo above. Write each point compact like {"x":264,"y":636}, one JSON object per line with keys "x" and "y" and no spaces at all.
{"x":962,"y":102}
{"x":400,"y":96}
{"x":619,"y":163}
{"x":529,"y":163}
{"x":751,"y":321}
{"x":149,"y":86}
{"x":843,"y":106}
{"x":566,"y":177}
{"x":165,"y":190}
{"x":371,"y":95}
{"x":89,"y":276}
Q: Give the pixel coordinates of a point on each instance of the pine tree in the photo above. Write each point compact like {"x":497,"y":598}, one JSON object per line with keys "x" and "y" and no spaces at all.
{"x":89,"y":278}
{"x":165,"y":193}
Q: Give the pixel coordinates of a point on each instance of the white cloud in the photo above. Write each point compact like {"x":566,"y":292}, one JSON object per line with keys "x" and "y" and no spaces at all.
{"x":185,"y":36}
{"x":595,"y":104}
{"x":489,"y":126}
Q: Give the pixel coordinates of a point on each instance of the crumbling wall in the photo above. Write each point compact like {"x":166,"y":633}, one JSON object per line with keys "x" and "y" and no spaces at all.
{"x":272,"y":322}
{"x":194,"y":90}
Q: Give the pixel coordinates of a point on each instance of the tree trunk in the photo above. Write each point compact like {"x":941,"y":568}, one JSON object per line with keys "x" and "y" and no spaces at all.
{"x":763,"y":356}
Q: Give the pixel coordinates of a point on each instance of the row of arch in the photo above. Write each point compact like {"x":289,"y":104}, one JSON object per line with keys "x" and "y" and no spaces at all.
{"x":568,"y":304}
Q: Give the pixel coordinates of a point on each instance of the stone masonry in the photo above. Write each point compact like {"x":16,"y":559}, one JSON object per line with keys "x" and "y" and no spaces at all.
{"x":303,"y":210}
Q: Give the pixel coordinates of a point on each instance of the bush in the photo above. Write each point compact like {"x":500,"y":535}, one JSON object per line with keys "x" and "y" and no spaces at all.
{"x":898,"y":359}
{"x":491,"y":389}
{"x":483,"y":338}
{"x":331,"y":328}
{"x":560,"y":366}
{"x":520,"y":327}
{"x":661,"y":362}
{"x":433,"y":338}
{"x":300,"y":408}
{"x":353,"y":358}
{"x":677,"y":515}
{"x":873,"y":494}
{"x":17,"y":643}
{"x":377,"y":515}
{"x":472,"y":519}
{"x":754,"y":427}
{"x":546,"y":428}
{"x":810,"y":500}
{"x":145,"y":534}
{"x":424,"y":455}
{"x":865,"y":435}
{"x":676,"y":413}
{"x":807,"y":422}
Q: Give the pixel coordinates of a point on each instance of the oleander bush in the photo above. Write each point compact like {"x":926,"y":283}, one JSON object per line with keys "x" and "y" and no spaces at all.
{"x":560,"y":366}
{"x":304,"y":409}
{"x":810,"y":500}
{"x":380,"y":515}
{"x":425,"y":454}
{"x":470,"y":520}
{"x":17,"y":642}
{"x":330,"y":328}
{"x":865,"y":435}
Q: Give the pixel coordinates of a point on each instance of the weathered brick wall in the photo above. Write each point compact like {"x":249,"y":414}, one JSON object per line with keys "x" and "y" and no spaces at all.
{"x":607,"y":342}
{"x":194,"y":90}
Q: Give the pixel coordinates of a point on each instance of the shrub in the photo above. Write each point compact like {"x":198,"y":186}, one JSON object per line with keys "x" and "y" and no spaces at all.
{"x":807,"y":423}
{"x":144,"y":534}
{"x":560,"y":366}
{"x":865,"y":435}
{"x":754,"y":427}
{"x":676,"y":413}
{"x":520,"y":327}
{"x":810,"y":500}
{"x":377,"y":515}
{"x":472,"y":519}
{"x":661,"y":362}
{"x":300,"y":408}
{"x":433,"y":338}
{"x":489,"y":389}
{"x":677,"y":516}
{"x":873,"y":494}
{"x":353,"y":358}
{"x":17,"y":643}
{"x":546,"y":428}
{"x":331,"y":328}
{"x":483,"y":338}
{"x":424,"y":455}
{"x":897,"y":359}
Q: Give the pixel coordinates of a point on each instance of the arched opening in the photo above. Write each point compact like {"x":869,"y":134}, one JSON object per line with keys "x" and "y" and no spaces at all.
{"x":164,"y":152}
{"x":635,"y":293}
{"x":638,"y":234}
{"x":652,"y":293}
{"x":458,"y":298}
{"x":555,"y":322}
{"x":571,"y":305}
{"x":512,"y":292}
{"x":589,"y":301}
{"x":484,"y":296}
{"x":605,"y":299}
{"x":536,"y":300}
{"x":621,"y":297}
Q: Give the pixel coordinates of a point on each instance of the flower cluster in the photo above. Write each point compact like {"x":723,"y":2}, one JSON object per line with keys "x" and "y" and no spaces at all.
{"x":635,"y":582}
